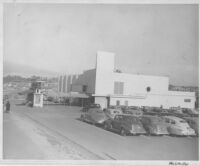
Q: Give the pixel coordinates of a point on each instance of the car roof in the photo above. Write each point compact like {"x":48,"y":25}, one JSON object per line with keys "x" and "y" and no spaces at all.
{"x":153,"y":118}
{"x":174,"y":118}
{"x":125,"y":115}
{"x":192,"y":118}
{"x":114,"y":109}
{"x":95,"y":108}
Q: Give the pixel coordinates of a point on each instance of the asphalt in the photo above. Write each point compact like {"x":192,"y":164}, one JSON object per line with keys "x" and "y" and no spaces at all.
{"x":15,"y":141}
{"x":63,"y":122}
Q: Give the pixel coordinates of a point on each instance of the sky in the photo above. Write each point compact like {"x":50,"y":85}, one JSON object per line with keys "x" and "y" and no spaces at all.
{"x":64,"y":38}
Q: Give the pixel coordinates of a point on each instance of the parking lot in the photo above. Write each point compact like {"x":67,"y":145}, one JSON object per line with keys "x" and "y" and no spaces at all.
{"x":101,"y":144}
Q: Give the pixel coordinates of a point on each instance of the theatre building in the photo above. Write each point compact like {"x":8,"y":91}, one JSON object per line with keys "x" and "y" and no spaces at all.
{"x":108,"y":87}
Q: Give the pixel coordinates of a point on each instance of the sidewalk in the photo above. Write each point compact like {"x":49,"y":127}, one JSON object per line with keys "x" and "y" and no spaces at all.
{"x":16,"y":143}
{"x":26,"y":138}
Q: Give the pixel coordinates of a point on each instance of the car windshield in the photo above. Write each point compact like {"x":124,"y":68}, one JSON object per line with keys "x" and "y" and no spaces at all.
{"x":99,"y":111}
{"x":157,"y":120}
{"x":131,"y":119}
{"x":182,"y":121}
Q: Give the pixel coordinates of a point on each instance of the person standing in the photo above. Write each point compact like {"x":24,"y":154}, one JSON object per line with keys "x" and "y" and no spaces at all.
{"x":7,"y":106}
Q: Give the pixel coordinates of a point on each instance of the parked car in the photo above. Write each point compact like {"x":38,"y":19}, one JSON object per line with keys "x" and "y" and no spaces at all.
{"x":87,"y":107}
{"x":190,"y":112}
{"x":164,"y":112}
{"x":178,"y":126}
{"x":177,"y":113}
{"x":148,"y":111}
{"x":134,"y":107}
{"x":135,"y":111}
{"x":125,"y":124}
{"x":112,"y":111}
{"x":160,"y":111}
{"x":194,"y":123}
{"x":154,"y":125}
{"x":94,"y":116}
{"x":123,"y":107}
{"x":127,"y":111}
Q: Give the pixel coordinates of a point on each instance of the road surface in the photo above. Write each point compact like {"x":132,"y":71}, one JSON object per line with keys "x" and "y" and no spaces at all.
{"x":58,"y":130}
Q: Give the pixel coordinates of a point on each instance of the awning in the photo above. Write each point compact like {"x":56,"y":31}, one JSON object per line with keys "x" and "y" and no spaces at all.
{"x":79,"y":95}
{"x":25,"y":92}
{"x":136,"y":96}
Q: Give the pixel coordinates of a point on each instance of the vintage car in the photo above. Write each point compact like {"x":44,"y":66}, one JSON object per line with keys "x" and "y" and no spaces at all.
{"x":178,"y":113}
{"x":112,"y":111}
{"x":190,"y":112}
{"x":94,"y":116}
{"x":125,"y":124}
{"x":149,"y":111}
{"x":154,"y":125}
{"x":87,"y":107}
{"x":133,"y":111}
{"x":194,"y":123}
{"x":178,"y":126}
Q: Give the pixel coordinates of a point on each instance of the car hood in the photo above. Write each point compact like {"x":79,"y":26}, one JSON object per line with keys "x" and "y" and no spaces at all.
{"x":138,"y":128}
{"x":100,"y":117}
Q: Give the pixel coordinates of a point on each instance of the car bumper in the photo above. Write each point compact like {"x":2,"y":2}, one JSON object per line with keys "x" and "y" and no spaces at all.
{"x":100,"y":121}
{"x":137,"y":131}
{"x":161,"y":133}
{"x":186,"y":133}
{"x":192,"y":133}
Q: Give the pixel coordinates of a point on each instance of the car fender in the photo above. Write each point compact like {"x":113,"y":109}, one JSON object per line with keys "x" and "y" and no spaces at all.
{"x":125,"y":126}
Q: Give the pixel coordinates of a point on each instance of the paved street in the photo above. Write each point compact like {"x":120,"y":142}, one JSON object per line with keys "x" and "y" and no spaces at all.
{"x":60,"y":126}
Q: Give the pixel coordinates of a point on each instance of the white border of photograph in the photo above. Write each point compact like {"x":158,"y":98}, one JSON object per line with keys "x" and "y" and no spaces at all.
{"x":84,"y":162}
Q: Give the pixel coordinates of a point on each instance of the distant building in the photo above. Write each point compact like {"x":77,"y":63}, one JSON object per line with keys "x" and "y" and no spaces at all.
{"x":66,"y":83}
{"x":107,"y":86}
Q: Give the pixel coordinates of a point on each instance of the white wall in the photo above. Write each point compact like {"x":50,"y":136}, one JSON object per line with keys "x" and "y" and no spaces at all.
{"x":104,"y":73}
{"x":139,"y":83}
{"x":167,"y":100}
{"x":102,"y":101}
{"x":176,"y":98}
{"x":105,"y":78}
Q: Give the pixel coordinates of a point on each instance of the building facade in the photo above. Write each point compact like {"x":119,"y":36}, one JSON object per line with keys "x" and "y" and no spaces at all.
{"x":109,"y":87}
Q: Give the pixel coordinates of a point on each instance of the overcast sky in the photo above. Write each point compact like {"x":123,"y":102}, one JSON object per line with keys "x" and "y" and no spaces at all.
{"x":147,"y":39}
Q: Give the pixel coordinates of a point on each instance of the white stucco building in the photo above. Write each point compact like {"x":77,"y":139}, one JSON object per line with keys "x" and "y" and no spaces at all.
{"x":115,"y":88}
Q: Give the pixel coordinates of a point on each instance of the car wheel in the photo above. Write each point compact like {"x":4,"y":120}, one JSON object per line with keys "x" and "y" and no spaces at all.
{"x":82,"y":118}
{"x":105,"y":126}
{"x":93,"y":123}
{"x":122,"y":132}
{"x":148,"y":133}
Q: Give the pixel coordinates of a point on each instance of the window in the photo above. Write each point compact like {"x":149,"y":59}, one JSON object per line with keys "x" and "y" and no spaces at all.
{"x":126,"y":103}
{"x":148,"y":89}
{"x":173,"y":122}
{"x":182,"y":121}
{"x":118,"y":88}
{"x":84,"y":88}
{"x":117,"y":102}
{"x":187,"y":100}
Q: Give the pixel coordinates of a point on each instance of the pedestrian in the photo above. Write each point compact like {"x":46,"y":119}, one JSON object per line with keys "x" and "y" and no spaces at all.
{"x":7,"y":106}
